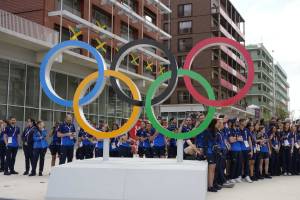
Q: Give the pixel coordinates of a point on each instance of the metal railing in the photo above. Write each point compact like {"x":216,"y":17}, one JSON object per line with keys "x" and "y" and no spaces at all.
{"x":28,"y":28}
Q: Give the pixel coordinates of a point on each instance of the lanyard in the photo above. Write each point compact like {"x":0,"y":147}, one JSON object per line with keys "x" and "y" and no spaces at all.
{"x":27,"y":133}
{"x":69,"y":127}
{"x":15,"y":129}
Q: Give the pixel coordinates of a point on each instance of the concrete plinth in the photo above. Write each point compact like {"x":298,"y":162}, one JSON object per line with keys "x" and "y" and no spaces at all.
{"x":128,"y":179}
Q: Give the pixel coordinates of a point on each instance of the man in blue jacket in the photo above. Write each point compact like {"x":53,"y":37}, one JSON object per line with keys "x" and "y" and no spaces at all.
{"x":11,"y":140}
{"x":67,"y":133}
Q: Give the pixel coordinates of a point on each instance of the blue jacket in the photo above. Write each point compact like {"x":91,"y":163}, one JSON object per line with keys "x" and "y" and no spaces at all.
{"x":67,"y":128}
{"x":12,"y":132}
{"x":85,"y":138}
{"x":39,"y":138}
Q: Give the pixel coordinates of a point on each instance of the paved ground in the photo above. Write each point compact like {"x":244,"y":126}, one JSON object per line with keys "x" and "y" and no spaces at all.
{"x":34,"y":188}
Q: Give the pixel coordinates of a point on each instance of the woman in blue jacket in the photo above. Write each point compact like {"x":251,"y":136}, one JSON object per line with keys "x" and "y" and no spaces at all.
{"x":212,"y":149}
{"x":40,"y":146}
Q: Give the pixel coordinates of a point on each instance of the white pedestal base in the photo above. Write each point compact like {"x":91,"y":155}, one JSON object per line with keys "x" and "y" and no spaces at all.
{"x":128,"y":179}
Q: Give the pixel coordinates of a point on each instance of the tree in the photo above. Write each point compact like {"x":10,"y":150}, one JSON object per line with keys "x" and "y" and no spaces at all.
{"x":281,"y":113}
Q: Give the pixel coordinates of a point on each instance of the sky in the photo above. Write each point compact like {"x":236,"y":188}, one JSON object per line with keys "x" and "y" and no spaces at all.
{"x":275,"y":23}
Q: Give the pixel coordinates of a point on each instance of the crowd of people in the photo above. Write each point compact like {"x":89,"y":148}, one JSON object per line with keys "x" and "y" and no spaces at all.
{"x":236,"y":149}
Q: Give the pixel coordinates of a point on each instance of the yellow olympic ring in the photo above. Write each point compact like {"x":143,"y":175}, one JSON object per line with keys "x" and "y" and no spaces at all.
{"x":78,"y":111}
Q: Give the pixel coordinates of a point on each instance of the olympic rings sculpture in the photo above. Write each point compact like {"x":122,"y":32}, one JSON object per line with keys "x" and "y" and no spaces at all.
{"x":99,"y":78}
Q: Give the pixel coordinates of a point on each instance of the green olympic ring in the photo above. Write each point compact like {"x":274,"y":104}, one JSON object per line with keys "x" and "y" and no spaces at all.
{"x":152,"y":118}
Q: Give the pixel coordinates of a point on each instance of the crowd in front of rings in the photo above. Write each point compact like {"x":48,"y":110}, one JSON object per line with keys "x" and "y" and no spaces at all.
{"x":236,"y":150}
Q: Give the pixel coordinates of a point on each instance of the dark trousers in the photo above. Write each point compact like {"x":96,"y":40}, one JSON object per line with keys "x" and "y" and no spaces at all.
{"x":11,"y":153}
{"x":256,"y":164}
{"x":125,"y":152}
{"x":67,"y":153}
{"x":275,"y":163}
{"x":98,"y":152}
{"x":296,"y":161}
{"x":88,"y":151}
{"x":236,"y":164}
{"x":245,"y":163}
{"x":28,"y":153}
{"x":220,"y":168}
{"x":172,"y":151}
{"x":39,"y":154}
{"x":2,"y":155}
{"x":84,"y":152}
{"x":286,"y":160}
{"x":145,"y":151}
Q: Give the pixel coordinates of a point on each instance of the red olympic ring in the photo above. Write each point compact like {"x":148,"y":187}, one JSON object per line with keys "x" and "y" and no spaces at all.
{"x":204,"y":44}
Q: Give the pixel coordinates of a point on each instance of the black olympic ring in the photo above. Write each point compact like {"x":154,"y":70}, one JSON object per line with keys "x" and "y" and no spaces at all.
{"x":124,"y":50}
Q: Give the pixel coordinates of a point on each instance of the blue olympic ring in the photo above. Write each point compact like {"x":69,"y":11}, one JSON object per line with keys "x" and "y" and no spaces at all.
{"x":46,"y":66}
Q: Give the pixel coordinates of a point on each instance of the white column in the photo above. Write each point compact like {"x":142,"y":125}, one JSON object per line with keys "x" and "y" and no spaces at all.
{"x":180,"y":151}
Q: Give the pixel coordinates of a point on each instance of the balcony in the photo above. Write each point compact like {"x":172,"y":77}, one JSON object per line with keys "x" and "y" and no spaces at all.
{"x":232,"y":71}
{"x":136,"y":17}
{"x":10,"y":23}
{"x":230,"y":21}
{"x":233,"y":56}
{"x":228,"y":85}
{"x":84,"y":23}
{"x":226,"y":33}
{"x":161,"y":6}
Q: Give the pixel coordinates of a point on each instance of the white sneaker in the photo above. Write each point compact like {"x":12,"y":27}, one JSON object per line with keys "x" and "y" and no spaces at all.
{"x":285,"y":174}
{"x":239,"y":179}
{"x":232,"y":181}
{"x":290,"y":174}
{"x":248,"y":179}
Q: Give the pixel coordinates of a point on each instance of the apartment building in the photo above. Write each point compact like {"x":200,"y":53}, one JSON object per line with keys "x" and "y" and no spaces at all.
{"x":270,"y":91}
{"x":28,"y":29}
{"x":281,"y":89}
{"x":262,"y":91}
{"x":192,"y":21}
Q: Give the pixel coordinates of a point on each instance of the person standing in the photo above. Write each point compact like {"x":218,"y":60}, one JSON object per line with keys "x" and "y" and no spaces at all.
{"x":86,"y":144}
{"x":3,"y":125}
{"x":235,"y":139}
{"x":172,"y":146}
{"x":159,"y":142}
{"x":297,"y":151}
{"x":275,"y":157}
{"x":67,"y":133}
{"x":287,"y":150}
{"x":39,"y":148}
{"x":55,"y":144}
{"x":141,"y":135}
{"x":27,"y":139}
{"x":211,"y":151}
{"x":265,"y":152}
{"x":11,"y":140}
{"x":246,"y":147}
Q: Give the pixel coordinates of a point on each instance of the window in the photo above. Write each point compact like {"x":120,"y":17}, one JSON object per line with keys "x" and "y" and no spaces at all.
{"x":166,"y":27}
{"x":105,"y":50}
{"x":66,"y":35}
{"x":73,"y":6}
{"x":130,"y":33}
{"x":102,"y":17}
{"x":133,"y":4}
{"x":185,"y":44}
{"x":17,"y":84}
{"x":185,"y":10}
{"x":183,"y":97}
{"x":180,"y":61}
{"x":185,"y":27}
{"x":32,"y":95}
{"x":149,"y":16}
{"x":3,"y":81}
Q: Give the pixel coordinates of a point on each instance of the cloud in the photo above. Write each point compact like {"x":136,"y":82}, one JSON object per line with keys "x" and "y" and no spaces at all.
{"x":276,"y":24}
